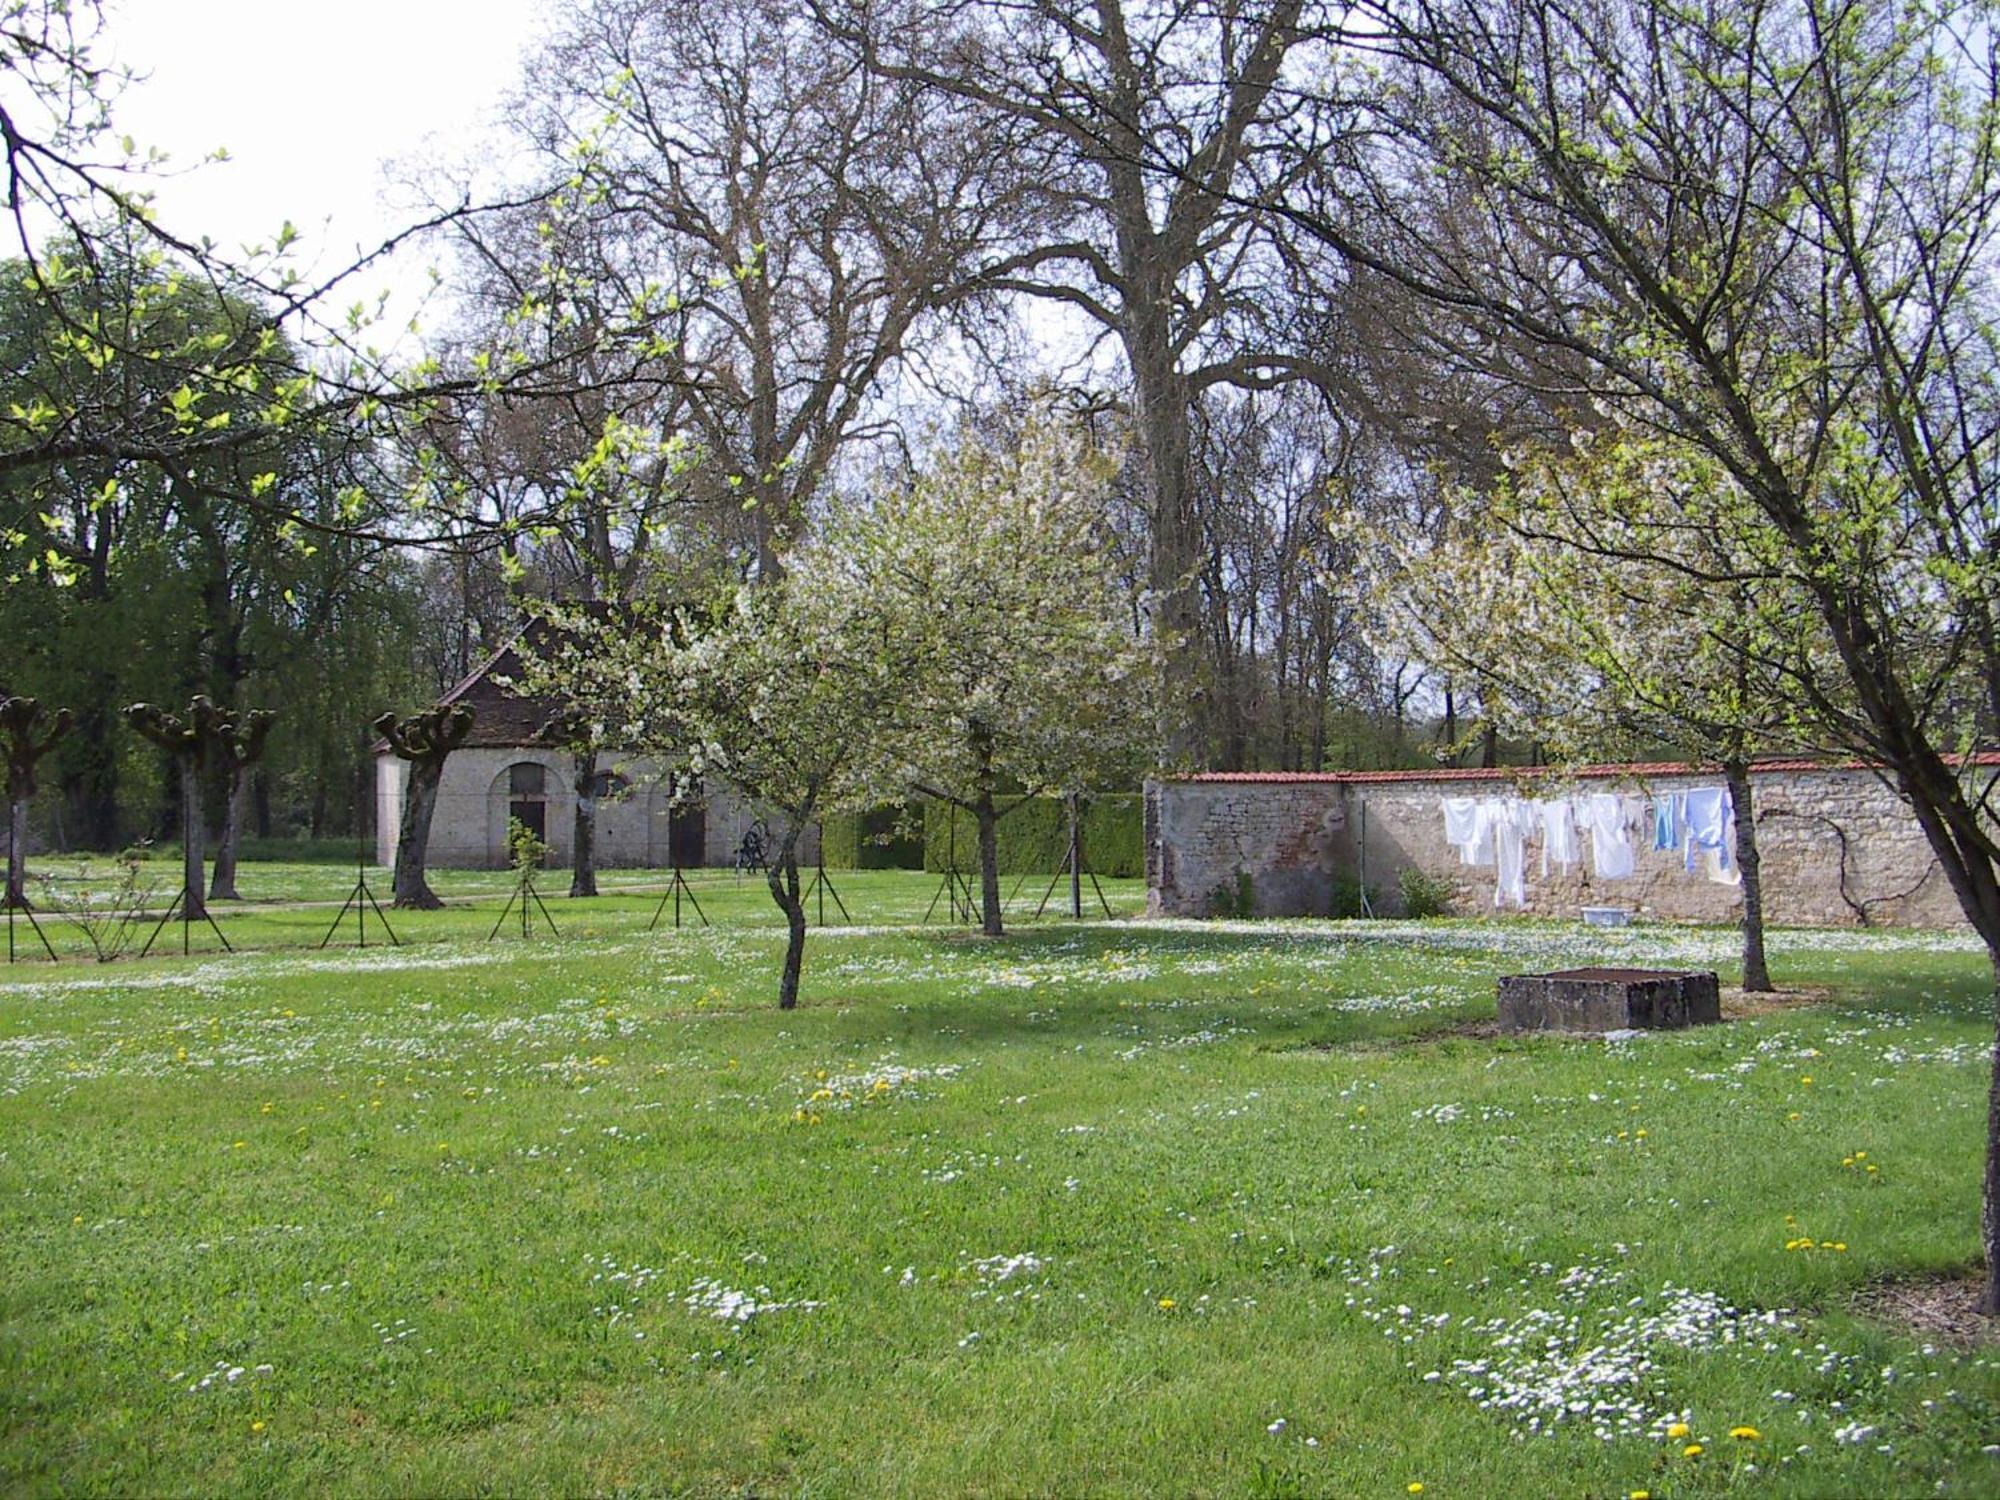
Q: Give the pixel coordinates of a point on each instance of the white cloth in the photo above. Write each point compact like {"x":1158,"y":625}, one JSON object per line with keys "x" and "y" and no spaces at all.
{"x":1610,"y":836}
{"x":1467,"y":830}
{"x":1557,"y":816}
{"x":1513,"y":821}
{"x":1711,"y":819}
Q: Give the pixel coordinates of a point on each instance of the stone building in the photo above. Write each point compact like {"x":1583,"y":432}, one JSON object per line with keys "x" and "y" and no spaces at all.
{"x":508,"y":770}
{"x":1838,"y":845}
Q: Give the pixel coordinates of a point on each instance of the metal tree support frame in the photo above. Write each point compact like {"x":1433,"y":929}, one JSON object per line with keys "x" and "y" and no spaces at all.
{"x":530,"y":901}
{"x":822,"y":884}
{"x":676,"y":888}
{"x":29,"y":913}
{"x":182,"y":905}
{"x":360,"y":899}
{"x":955,"y":883}
{"x":1075,"y":867}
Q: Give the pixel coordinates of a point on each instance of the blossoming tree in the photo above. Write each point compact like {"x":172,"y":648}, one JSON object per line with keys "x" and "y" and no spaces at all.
{"x":1024,"y":669}
{"x":785,"y":689}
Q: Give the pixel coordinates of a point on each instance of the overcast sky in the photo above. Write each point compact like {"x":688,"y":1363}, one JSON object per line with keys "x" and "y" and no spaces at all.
{"x":310,"y":98}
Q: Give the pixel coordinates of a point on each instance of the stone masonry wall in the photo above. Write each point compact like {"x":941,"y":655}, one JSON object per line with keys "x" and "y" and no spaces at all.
{"x":1204,"y":838}
{"x":1838,"y":846}
{"x":469,"y":827}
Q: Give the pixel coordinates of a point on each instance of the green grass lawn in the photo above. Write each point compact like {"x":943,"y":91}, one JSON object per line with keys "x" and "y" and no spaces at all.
{"x":1122,"y":1207}
{"x":296,"y":904}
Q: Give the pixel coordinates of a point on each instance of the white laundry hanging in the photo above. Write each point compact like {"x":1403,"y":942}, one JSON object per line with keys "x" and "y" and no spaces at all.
{"x":1557,"y":816}
{"x":1610,"y":838}
{"x":1513,"y":821}
{"x":1468,"y":830}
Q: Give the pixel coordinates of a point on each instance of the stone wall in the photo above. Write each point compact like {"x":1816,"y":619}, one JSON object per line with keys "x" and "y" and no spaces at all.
{"x":1838,"y":845}
{"x":469,"y":828}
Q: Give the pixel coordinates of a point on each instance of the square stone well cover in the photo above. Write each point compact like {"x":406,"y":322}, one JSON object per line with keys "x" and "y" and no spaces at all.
{"x":1609,"y":1000}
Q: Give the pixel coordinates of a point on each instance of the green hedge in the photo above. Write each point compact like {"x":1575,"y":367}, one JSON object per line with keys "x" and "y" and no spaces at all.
{"x":873,"y":841}
{"x":1034,"y":839}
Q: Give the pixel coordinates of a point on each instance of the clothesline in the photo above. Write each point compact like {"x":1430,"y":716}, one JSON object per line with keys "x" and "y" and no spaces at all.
{"x":1494,"y":832}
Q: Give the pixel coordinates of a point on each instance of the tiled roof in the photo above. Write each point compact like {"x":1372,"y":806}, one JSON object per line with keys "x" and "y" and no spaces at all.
{"x":502,"y":718}
{"x":1639,"y":769}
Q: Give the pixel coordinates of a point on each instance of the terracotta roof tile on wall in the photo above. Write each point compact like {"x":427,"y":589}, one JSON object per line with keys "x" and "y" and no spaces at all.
{"x":1511,"y":773}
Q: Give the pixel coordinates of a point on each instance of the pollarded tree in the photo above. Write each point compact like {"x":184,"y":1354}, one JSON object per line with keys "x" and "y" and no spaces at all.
{"x":425,"y":740}
{"x":235,"y":744}
{"x":184,"y":737}
{"x":25,"y":737}
{"x":1022,"y":665}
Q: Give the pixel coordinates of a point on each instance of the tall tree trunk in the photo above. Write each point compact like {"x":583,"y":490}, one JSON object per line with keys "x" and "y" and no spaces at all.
{"x":260,"y":804}
{"x":583,"y":828}
{"x":17,"y":855}
{"x":413,"y":891}
{"x":1989,"y":1210}
{"x":222,"y":884}
{"x":91,"y":787}
{"x":988,"y":819}
{"x":1162,"y":394}
{"x":783,"y":875}
{"x":192,"y":835}
{"x":1756,"y":973}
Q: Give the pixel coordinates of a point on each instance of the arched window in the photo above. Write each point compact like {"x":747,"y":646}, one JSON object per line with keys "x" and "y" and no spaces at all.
{"x":527,"y":797}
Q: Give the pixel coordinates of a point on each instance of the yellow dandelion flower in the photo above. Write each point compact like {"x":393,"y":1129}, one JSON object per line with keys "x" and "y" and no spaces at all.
{"x":1415,"y":1487}
{"x":1167,"y":1304}
{"x":1678,"y":1430}
{"x":1806,"y":1079}
{"x":1641,"y":1495}
{"x":257,"y":1426}
{"x":1692,"y":1450}
{"x":1745,"y":1434}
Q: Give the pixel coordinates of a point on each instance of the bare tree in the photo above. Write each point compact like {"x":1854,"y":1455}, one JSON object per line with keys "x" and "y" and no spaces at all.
{"x":798,"y":219}
{"x":1153,"y":131}
{"x":235,"y":744}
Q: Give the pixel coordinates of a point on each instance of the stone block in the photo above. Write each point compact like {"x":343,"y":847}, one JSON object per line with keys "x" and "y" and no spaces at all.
{"x":1608,"y":1000}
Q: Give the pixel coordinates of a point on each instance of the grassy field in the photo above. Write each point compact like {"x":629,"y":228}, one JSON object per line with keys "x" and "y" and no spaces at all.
{"x":1120,"y":1207}
{"x":296,"y":904}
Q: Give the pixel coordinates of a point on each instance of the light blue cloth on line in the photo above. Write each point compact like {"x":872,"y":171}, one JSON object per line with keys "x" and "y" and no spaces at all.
{"x":1710,"y":814}
{"x":1668,"y":819}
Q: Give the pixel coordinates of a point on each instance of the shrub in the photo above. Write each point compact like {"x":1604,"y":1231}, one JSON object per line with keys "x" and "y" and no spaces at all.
{"x":1424,"y":894}
{"x":1237,"y":900}
{"x":1352,"y":899}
